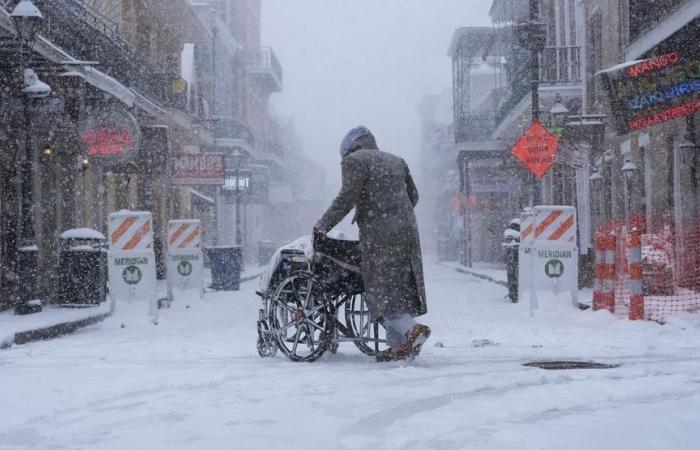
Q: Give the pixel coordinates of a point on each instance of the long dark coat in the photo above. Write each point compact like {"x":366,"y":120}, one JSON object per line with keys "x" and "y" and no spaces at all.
{"x":380,"y":188}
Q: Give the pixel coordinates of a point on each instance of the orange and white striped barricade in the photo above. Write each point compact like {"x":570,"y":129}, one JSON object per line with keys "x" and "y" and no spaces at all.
{"x":132,"y":265}
{"x":634,"y":261}
{"x":604,"y":272}
{"x":185,"y":264}
{"x":527,"y":233}
{"x":555,"y":251}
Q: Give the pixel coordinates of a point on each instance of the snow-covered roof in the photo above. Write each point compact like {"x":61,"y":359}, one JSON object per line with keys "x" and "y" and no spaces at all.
{"x":83,"y":233}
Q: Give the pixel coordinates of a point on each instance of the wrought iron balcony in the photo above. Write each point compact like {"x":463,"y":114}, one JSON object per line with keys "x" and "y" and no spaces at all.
{"x":474,"y":127}
{"x":263,"y":65}
{"x":560,"y":65}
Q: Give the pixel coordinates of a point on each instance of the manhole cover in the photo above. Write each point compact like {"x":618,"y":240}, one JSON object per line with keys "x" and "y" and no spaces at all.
{"x":570,"y":365}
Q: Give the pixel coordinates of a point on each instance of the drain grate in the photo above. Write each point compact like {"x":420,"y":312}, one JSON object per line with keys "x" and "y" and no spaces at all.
{"x":569,"y":365}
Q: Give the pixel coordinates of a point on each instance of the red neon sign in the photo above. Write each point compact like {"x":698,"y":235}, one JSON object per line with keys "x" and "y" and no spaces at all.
{"x":107,"y":142}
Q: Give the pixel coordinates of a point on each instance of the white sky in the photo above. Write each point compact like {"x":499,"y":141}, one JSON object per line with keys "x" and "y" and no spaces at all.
{"x":369,"y":62}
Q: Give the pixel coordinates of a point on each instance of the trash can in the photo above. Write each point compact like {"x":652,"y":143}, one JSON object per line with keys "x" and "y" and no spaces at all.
{"x":266,"y":249}
{"x":226,"y":263}
{"x":511,"y":248}
{"x":82,"y":278}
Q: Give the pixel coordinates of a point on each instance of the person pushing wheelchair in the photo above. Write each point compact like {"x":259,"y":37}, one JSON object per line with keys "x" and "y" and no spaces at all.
{"x":380,"y":188}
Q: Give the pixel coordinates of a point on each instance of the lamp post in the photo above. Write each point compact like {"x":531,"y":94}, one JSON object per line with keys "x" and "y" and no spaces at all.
{"x":27,"y":20}
{"x":559,"y":113}
{"x":596,"y":180}
{"x":533,"y":36}
{"x":688,"y":150}
{"x":237,"y":159}
{"x":629,"y":172}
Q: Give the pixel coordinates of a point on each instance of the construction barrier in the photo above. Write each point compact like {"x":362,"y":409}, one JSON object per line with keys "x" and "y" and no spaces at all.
{"x":549,"y":252}
{"x":655,"y":269}
{"x":185,"y":260}
{"x":604,"y":272}
{"x":131,"y":259}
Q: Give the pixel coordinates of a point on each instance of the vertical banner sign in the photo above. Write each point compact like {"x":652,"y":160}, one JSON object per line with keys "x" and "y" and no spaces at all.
{"x":185,"y":264}
{"x":553,"y":252}
{"x":132,"y":267}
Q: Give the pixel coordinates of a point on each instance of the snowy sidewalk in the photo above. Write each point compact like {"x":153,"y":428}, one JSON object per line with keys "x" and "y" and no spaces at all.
{"x":52,"y":321}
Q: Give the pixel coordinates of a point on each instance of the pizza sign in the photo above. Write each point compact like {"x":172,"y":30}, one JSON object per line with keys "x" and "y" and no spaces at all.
{"x":536,"y":149}
{"x":109,"y":136}
{"x":107,"y":141}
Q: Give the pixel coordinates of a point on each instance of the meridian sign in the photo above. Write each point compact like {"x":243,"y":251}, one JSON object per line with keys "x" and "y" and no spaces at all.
{"x":652,"y":91}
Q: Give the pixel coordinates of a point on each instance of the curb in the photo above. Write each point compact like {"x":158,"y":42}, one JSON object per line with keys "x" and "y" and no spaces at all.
{"x":251,"y":277}
{"x":53,"y":331}
{"x":479,"y":275}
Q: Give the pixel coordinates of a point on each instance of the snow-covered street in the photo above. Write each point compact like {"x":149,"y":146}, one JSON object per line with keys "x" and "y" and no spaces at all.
{"x":195,"y":382}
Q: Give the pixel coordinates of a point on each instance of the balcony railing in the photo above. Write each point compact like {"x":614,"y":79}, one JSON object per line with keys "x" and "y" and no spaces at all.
{"x":560,"y":65}
{"x":474,"y":127}
{"x":263,"y":63}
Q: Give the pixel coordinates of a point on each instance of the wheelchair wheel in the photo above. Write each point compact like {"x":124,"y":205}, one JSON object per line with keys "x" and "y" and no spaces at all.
{"x":299,"y":319}
{"x":266,"y":345}
{"x":360,"y":324}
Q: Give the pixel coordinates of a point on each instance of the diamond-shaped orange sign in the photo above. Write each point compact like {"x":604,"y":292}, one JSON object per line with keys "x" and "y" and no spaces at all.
{"x":536,"y":149}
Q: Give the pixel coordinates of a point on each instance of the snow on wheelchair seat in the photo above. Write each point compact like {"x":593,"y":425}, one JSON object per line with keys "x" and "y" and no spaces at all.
{"x":304,"y":243}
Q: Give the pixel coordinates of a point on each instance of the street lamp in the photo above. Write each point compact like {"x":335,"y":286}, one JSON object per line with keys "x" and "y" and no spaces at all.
{"x":629,"y":172}
{"x":597,"y":180}
{"x":27,"y":20}
{"x":559,"y":112}
{"x":687,"y":150}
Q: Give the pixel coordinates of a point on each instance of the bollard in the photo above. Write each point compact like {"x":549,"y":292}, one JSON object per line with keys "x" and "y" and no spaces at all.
{"x":634,"y":260}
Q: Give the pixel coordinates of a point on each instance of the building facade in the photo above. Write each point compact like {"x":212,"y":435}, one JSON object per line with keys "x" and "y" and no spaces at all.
{"x":180,"y":76}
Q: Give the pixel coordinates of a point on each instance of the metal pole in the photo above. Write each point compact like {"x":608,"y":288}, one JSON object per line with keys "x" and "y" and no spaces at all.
{"x":217,"y":193}
{"x":238,"y":205}
{"x":535,"y":83}
{"x":27,"y":254}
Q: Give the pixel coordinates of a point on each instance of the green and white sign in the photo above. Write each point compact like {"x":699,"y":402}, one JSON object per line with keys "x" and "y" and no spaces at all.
{"x":184,"y":268}
{"x":554,"y":268}
{"x":132,"y":275}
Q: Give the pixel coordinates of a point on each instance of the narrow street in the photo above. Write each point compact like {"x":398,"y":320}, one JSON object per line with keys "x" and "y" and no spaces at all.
{"x":196,"y":381}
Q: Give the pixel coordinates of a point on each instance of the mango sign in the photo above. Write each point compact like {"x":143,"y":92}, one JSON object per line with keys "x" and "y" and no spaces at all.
{"x":652,"y":91}
{"x":536,"y":149}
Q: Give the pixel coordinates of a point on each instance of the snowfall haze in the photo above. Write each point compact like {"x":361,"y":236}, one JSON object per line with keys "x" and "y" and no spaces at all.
{"x":363,"y":62}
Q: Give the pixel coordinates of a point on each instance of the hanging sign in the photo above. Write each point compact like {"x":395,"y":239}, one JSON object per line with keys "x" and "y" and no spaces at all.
{"x":536,"y":149}
{"x":652,"y":91}
{"x":197,"y":169}
{"x":109,"y":136}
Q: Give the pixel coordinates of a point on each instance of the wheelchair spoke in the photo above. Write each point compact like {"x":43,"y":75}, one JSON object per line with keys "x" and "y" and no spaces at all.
{"x":296,"y":341}
{"x":315,"y":325}
{"x":310,"y":338}
{"x":286,"y":327}
{"x":286,"y":307}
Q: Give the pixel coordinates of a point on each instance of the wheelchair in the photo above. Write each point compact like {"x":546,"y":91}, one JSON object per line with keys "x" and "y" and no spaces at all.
{"x":311,"y":305}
